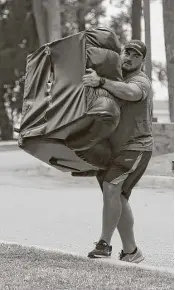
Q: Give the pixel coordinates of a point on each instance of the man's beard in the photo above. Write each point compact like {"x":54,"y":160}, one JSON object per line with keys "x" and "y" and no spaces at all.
{"x":129,"y":70}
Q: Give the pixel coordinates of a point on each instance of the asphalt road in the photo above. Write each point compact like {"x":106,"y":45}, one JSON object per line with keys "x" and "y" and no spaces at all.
{"x":65,"y":213}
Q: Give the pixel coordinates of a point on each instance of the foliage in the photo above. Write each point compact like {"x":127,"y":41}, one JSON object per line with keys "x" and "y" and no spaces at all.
{"x":92,"y":10}
{"x":16,"y":28}
{"x":120,"y":26}
{"x":160,"y":71}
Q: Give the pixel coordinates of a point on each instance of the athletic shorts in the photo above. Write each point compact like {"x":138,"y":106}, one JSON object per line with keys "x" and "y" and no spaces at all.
{"x":127,"y":167}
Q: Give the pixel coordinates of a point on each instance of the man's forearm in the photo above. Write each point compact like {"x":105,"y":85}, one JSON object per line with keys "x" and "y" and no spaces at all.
{"x":122,"y":90}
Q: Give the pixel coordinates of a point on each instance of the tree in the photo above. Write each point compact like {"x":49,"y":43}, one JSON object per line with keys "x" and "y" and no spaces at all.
{"x":80,"y":13}
{"x":148,"y":61}
{"x":160,"y":72}
{"x":122,"y":21}
{"x":128,"y":17}
{"x":136,"y":18}
{"x":119,"y":26}
{"x":168,"y":18}
{"x":76,"y":15}
{"x":18,"y":38}
{"x":47,"y":18}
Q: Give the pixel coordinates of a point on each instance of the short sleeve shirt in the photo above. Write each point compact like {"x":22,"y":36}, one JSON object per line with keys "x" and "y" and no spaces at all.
{"x":135,"y":128}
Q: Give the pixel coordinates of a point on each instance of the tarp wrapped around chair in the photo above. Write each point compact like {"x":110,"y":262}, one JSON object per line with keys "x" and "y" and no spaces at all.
{"x":63,"y":123}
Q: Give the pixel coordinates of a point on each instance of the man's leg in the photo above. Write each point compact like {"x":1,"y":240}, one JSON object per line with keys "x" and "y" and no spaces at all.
{"x":111,"y":183}
{"x":112,"y":208}
{"x":116,"y":209}
{"x":126,"y":227}
{"x":126,"y":223}
{"x":130,"y":253}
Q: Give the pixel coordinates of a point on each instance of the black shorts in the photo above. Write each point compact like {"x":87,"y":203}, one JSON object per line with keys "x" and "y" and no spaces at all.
{"x":127,"y":167}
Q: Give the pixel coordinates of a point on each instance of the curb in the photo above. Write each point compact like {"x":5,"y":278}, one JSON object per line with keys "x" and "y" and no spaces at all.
{"x":7,"y":143}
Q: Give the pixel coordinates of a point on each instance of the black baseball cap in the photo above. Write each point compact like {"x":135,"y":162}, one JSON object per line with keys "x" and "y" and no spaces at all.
{"x":138,"y":46}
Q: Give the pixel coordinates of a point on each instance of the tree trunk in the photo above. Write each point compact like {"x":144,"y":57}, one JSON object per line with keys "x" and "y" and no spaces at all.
{"x":40,"y":19}
{"x":168,"y":17}
{"x":53,"y":19}
{"x":148,"y":61}
{"x":136,"y":19}
{"x":48,"y":22}
{"x":81,"y":15}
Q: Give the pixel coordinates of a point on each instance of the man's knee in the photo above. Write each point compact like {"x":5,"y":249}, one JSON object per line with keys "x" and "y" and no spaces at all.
{"x":109,"y":187}
{"x":111,"y":191}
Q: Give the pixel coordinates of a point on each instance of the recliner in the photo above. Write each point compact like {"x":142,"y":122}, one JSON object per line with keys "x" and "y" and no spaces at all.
{"x":64,"y":124}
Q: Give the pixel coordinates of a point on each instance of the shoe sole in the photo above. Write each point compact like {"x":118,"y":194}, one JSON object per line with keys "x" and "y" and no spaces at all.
{"x":98,"y":256}
{"x":136,"y":261}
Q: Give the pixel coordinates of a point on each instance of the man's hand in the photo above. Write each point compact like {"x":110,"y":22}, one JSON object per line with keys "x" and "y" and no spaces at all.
{"x":91,"y":79}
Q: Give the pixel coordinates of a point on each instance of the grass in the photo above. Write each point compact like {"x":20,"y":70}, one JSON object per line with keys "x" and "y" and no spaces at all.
{"x":28,"y":268}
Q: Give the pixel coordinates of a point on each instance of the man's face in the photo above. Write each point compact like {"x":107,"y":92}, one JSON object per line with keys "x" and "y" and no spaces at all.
{"x":131,"y":60}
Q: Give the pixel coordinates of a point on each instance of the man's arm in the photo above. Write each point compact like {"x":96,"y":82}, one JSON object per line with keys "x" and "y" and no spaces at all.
{"x":121,"y":90}
{"x":124,"y":91}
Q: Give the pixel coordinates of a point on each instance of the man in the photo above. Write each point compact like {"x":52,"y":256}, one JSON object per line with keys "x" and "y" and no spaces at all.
{"x":132,"y":147}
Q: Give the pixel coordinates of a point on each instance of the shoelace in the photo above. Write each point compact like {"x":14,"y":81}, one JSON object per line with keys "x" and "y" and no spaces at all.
{"x":100,"y":245}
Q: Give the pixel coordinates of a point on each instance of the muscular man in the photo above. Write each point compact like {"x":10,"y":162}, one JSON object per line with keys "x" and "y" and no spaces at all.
{"x":130,"y":161}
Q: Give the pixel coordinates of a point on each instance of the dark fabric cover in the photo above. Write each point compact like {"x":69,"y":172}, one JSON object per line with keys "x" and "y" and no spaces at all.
{"x":59,"y":115}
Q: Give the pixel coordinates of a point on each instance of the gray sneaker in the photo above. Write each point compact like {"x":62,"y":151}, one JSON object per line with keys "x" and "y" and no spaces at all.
{"x":135,"y":257}
{"x":101,"y":250}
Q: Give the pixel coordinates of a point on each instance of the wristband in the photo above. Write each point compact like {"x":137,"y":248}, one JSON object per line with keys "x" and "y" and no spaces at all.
{"x":102,"y":82}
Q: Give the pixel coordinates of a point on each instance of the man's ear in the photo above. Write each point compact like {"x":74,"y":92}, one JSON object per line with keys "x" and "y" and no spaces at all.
{"x":143,"y":65}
